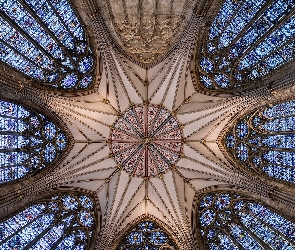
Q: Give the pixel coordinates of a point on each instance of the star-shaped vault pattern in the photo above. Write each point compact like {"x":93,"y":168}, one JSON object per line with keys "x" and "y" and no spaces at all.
{"x":165,"y":194}
{"x":151,"y":168}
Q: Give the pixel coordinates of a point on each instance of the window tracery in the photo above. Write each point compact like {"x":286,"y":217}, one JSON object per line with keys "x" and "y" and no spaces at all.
{"x":232,"y":221}
{"x":246,"y":41}
{"x":264,"y":142}
{"x":63,"y":221}
{"x":45,"y":40}
{"x":147,"y":235}
{"x":29,"y":141}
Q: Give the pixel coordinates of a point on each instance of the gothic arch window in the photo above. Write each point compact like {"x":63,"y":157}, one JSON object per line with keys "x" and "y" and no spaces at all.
{"x":147,"y":235}
{"x":63,"y":221}
{"x":29,"y":141}
{"x":45,"y":40}
{"x":227,"y":220}
{"x":246,"y":41}
{"x":263,"y":141}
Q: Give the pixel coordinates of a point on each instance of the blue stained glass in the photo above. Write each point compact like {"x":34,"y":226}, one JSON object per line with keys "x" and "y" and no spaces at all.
{"x":67,"y":243}
{"x":85,"y":218}
{"x":29,"y":233}
{"x":244,"y":238}
{"x":85,"y":65}
{"x":158,"y":238}
{"x":27,"y":140}
{"x":242,"y":152}
{"x":230,"y":141}
{"x":249,"y":222}
{"x":69,"y":81}
{"x":70,"y":202}
{"x":206,"y":81}
{"x":269,"y":144}
{"x":86,"y":81}
{"x":252,"y":37}
{"x":222,"y":201}
{"x":206,"y":201}
{"x":86,"y":202}
{"x":42,"y":224}
{"x":135,"y":238}
{"x":146,"y":235}
{"x":222,"y":80}
{"x":206,"y":65}
{"x":42,"y":39}
{"x":207,"y":217}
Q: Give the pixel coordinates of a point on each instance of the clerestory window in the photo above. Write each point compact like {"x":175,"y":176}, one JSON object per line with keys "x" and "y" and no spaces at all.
{"x":246,"y":41}
{"x":45,"y":40}
{"x":228,"y":220}
{"x":63,"y":221}
{"x":263,"y":141}
{"x":29,"y":141}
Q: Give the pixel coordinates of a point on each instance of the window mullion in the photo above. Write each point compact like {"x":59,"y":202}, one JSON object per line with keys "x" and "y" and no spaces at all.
{"x":263,"y":38}
{"x":23,"y":227}
{"x":23,"y":33}
{"x":230,"y":20}
{"x":59,"y":17}
{"x":54,"y":223}
{"x":67,"y":231}
{"x":261,"y":242}
{"x":271,"y":227}
{"x":41,"y":23}
{"x":250,"y":23}
{"x":227,"y":232}
{"x":21,"y":54}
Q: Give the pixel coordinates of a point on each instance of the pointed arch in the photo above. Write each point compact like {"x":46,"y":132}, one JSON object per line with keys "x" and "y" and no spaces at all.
{"x":245,"y":42}
{"x":64,"y":220}
{"x":30,"y":141}
{"x":147,"y":233}
{"x":225,"y":219}
{"x":46,"y":41}
{"x":262,"y":141}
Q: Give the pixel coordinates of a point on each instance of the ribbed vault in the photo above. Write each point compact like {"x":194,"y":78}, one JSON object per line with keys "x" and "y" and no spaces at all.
{"x":167,"y":197}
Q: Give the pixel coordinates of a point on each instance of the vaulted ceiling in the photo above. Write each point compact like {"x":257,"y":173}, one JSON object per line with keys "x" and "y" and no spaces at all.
{"x":144,"y":51}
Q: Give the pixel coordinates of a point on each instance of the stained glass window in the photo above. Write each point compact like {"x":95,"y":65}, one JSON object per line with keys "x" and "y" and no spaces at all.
{"x":64,"y":221}
{"x":247,"y":40}
{"x":45,"y":40}
{"x":29,"y":141}
{"x":264,"y":141}
{"x":147,"y":235}
{"x":230,"y":221}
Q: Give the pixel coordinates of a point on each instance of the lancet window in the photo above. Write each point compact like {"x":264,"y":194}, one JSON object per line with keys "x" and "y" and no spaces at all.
{"x":45,"y":40}
{"x":63,"y":221}
{"x":263,"y":141}
{"x":231,"y":221}
{"x":246,"y":41}
{"x":29,"y":141}
{"x":147,"y":235}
